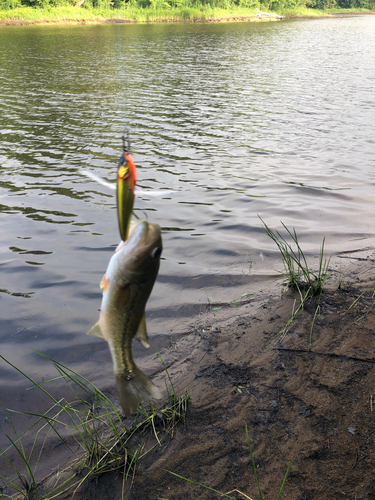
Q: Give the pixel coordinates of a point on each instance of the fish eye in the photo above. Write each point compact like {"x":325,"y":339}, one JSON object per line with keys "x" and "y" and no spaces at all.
{"x":155,"y":254}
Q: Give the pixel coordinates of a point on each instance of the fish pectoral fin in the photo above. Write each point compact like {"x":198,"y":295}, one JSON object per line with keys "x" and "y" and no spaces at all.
{"x":96,"y":331}
{"x":104,"y":283}
{"x":141,"y":334}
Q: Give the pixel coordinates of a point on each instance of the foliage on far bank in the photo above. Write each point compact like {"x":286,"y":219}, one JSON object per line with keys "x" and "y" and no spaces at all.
{"x":70,"y":13}
{"x":145,"y":10}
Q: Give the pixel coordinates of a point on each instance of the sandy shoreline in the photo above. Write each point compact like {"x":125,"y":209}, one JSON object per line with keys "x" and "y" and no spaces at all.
{"x":309,"y":403}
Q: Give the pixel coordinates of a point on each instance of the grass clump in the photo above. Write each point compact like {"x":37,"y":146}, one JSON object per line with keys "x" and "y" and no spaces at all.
{"x":300,"y":276}
{"x":91,"y":428}
{"x":301,"y":11}
{"x":307,"y":282}
{"x":227,"y":495}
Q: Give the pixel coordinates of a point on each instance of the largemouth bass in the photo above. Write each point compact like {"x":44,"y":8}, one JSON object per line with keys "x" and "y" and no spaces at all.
{"x":127,"y":285}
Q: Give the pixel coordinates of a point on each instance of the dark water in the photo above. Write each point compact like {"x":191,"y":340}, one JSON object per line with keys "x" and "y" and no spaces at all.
{"x":275,"y":119}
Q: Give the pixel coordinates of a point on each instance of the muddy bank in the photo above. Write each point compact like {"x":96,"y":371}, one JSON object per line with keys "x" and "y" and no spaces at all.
{"x":312,"y":403}
{"x":45,"y":22}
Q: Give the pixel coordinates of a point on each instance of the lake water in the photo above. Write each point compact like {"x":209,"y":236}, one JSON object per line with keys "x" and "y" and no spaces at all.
{"x":239,"y":120}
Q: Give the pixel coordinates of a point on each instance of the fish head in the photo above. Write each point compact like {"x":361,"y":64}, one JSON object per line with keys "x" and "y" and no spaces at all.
{"x":139,"y":257}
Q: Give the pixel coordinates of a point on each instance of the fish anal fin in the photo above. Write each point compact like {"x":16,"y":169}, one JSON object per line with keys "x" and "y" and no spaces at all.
{"x":96,"y":331}
{"x":141,"y":334}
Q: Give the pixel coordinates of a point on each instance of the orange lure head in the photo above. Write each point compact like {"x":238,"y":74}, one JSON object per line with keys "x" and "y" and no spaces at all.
{"x":126,"y":179}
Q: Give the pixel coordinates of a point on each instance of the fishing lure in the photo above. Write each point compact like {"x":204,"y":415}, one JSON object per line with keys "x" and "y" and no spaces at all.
{"x":126,"y":188}
{"x":126,"y":179}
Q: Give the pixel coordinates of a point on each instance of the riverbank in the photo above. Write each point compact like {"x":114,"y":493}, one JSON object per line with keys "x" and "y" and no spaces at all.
{"x":306,"y":401}
{"x":311,"y":403}
{"x":307,"y":398}
{"x":78,"y":15}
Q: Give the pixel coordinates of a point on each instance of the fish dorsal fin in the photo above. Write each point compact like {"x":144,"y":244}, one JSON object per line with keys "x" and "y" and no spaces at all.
{"x":141,"y":334}
{"x":96,"y":331}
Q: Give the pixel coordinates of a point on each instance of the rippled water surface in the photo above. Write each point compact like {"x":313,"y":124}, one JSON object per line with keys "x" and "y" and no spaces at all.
{"x":275,"y":119}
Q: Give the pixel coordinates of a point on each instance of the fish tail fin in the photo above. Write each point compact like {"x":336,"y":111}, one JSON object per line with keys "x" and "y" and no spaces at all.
{"x":134,"y":390}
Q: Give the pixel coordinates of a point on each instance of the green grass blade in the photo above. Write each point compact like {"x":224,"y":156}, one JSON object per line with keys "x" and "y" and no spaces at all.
{"x":357,"y":299}
{"x":28,"y":378}
{"x":170,"y":380}
{"x":286,"y":475}
{"x":28,"y":468}
{"x":201,"y":485}
{"x":317,"y":311}
{"x":254,"y":467}
{"x":12,"y":485}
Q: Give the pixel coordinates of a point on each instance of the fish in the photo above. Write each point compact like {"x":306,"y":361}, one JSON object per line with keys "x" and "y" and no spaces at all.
{"x":126,"y":179}
{"x":127,"y":285}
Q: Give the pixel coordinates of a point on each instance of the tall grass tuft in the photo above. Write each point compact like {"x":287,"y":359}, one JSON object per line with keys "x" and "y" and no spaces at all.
{"x":300,"y":276}
{"x":91,"y":427}
{"x":308,"y":282}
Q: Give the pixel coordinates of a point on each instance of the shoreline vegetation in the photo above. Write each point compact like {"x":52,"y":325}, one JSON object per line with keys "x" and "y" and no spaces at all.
{"x":163,"y":13}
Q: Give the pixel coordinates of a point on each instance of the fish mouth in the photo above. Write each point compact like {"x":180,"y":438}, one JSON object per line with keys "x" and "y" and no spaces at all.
{"x":144,"y":237}
{"x":145,"y":231}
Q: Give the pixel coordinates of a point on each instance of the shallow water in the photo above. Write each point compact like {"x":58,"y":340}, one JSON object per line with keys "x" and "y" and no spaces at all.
{"x":240,"y":120}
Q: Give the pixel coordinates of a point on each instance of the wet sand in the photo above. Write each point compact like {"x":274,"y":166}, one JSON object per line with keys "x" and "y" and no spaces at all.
{"x":309,"y":403}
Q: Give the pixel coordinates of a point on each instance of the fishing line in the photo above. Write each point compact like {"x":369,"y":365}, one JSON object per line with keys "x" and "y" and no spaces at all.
{"x":126,"y":170}
{"x":126,"y":130}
